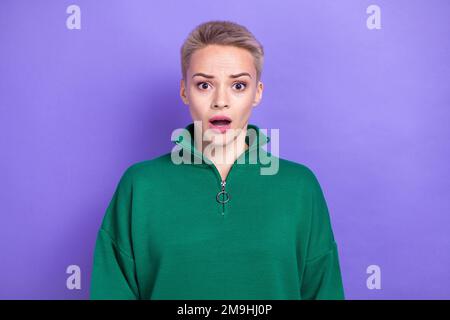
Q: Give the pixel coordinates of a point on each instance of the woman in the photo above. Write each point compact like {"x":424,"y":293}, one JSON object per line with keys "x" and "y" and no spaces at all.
{"x":207,"y":221}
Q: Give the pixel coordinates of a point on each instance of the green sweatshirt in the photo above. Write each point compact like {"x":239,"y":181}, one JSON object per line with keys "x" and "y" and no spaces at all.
{"x":177,"y":231}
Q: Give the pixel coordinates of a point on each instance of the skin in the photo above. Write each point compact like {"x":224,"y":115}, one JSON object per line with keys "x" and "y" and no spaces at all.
{"x":217,"y":93}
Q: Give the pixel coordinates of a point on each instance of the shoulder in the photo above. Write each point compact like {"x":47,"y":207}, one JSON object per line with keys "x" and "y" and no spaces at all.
{"x":145,"y":169}
{"x":300,"y":172}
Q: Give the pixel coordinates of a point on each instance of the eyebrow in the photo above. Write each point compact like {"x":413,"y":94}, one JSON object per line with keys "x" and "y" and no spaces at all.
{"x":231,"y":76}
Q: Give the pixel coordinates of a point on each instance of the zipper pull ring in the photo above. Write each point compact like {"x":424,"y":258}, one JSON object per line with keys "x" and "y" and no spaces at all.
{"x":226,"y":195}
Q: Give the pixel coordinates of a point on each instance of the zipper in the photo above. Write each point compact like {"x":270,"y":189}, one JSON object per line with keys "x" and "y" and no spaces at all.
{"x":223,"y":196}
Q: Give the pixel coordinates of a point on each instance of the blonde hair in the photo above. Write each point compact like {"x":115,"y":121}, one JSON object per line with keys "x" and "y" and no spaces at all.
{"x":225,"y":33}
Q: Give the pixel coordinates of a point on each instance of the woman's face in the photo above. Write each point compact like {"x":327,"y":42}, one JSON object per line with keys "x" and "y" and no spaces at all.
{"x":221,"y":81}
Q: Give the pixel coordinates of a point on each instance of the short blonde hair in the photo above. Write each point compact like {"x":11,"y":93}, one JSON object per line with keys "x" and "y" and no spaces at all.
{"x":221,"y":32}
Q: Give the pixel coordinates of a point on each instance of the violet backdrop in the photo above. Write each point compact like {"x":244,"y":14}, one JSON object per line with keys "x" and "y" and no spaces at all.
{"x":366,"y":109}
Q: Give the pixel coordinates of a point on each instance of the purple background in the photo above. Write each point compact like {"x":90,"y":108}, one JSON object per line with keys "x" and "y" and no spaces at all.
{"x":366,"y":110}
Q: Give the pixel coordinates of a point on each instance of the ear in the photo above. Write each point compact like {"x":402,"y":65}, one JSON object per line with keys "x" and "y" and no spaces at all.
{"x":258,"y":95}
{"x":183,"y":92}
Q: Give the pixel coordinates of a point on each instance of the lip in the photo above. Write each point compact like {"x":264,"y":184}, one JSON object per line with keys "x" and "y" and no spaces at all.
{"x":219,"y":117}
{"x":221,"y":129}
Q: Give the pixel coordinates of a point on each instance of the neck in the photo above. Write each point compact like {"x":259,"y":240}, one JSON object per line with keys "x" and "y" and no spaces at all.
{"x":223,"y":156}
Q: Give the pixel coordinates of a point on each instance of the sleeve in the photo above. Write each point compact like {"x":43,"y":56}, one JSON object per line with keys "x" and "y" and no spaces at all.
{"x":321,"y":278}
{"x":113,"y":273}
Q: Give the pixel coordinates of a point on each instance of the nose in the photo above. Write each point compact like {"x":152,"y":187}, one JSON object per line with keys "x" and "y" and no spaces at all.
{"x":220,"y":99}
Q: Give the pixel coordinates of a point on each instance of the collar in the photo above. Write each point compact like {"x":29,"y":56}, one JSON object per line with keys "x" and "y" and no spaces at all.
{"x":254,"y":139}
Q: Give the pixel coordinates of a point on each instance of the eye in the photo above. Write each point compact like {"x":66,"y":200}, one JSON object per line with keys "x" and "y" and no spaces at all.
{"x":241,"y":86}
{"x":202,"y":85}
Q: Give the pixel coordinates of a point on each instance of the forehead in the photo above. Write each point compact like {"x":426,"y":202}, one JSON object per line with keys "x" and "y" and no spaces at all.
{"x":221,"y":59}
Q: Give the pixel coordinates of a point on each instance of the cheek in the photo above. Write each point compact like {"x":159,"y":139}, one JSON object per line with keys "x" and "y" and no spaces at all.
{"x":244,"y":98}
{"x":244,"y":103}
{"x":198,"y":97}
{"x":198,"y":106}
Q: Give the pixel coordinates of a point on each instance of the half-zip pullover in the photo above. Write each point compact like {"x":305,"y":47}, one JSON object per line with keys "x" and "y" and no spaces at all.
{"x":178,"y":231}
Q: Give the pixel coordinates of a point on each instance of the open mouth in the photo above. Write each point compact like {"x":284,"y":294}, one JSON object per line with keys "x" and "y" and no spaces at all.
{"x":221,"y":123}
